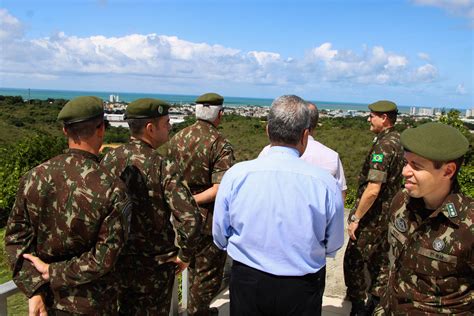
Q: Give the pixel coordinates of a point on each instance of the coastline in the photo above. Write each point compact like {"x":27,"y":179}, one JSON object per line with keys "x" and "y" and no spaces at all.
{"x":177,"y":99}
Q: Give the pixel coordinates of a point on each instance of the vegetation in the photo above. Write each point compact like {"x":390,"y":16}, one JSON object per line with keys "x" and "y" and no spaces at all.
{"x":16,"y":159}
{"x":38,"y":137}
{"x":30,"y":134}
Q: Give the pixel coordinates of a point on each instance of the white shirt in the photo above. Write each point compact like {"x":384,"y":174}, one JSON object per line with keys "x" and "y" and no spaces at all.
{"x":323,"y":157}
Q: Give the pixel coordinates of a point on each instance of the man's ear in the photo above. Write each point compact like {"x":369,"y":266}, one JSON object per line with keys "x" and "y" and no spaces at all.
{"x":149,"y":127}
{"x":64,"y":131}
{"x":101,"y":130}
{"x":449,"y":169}
{"x":304,"y":139}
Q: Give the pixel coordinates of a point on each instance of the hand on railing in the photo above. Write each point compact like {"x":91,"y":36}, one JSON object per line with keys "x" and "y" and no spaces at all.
{"x":36,"y":306}
{"x":42,"y":267}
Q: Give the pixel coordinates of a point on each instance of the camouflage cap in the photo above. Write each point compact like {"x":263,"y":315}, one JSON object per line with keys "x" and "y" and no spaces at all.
{"x":81,"y":109}
{"x":435,"y":141}
{"x":383,"y":106}
{"x":147,"y":108}
{"x":210,"y":99}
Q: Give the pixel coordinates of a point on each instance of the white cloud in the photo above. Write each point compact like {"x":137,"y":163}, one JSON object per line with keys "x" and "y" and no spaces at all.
{"x":10,"y":27}
{"x":426,"y":73}
{"x":460,"y":89}
{"x":424,"y":56}
{"x":172,"y":60}
{"x":464,"y":8}
{"x":264,"y":58}
{"x":324,"y":52}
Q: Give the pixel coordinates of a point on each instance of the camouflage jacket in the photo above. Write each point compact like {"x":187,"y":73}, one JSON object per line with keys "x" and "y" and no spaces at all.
{"x":158,"y":194}
{"x":203,"y":155}
{"x":73,"y":214}
{"x":431,"y":260}
{"x":384,"y":164}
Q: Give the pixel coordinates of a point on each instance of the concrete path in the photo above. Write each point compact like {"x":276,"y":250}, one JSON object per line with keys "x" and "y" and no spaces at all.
{"x":334,"y":293}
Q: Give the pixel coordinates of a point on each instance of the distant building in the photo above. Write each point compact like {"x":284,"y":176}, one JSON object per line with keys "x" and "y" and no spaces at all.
{"x":412,"y":110}
{"x":425,"y":111}
{"x":114,"y":98}
{"x":469,"y":112}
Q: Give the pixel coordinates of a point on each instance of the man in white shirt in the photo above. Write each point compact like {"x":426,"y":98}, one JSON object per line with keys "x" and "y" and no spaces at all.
{"x":319,"y":154}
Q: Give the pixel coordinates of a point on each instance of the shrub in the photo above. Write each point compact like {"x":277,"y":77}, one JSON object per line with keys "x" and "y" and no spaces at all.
{"x":17,"y":159}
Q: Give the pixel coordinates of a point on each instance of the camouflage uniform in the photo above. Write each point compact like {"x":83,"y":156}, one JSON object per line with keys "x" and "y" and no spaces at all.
{"x":203,"y":156}
{"x":431,"y":257}
{"x":73,"y":214}
{"x":147,"y":278}
{"x":383,"y":164}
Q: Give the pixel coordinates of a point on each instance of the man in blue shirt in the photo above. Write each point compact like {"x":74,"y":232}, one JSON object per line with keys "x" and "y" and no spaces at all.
{"x":279,"y":217}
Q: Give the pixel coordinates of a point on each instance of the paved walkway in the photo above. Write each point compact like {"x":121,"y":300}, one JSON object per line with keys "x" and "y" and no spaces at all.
{"x":333,"y":301}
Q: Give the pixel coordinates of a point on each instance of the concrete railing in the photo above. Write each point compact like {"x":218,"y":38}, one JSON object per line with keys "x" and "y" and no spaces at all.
{"x":9,"y":288}
{"x":6,"y":289}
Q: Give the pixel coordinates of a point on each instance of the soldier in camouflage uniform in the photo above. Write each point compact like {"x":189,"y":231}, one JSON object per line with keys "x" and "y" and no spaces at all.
{"x":149,"y":260}
{"x":69,"y":223}
{"x":379,"y":181}
{"x":431,"y":232}
{"x":204,"y":155}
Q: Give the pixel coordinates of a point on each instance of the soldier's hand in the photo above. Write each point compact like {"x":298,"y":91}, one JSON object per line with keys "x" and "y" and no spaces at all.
{"x":42,"y":267}
{"x":36,"y":306}
{"x":180,"y":265}
{"x":351,"y":229}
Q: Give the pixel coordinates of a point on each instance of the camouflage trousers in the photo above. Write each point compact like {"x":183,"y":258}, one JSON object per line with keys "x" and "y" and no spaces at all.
{"x":364,"y":257}
{"x":206,"y":271}
{"x":110,"y":310}
{"x":146,"y":287}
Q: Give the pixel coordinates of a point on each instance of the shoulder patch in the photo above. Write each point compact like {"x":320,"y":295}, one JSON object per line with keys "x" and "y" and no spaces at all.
{"x":451,"y":210}
{"x":377,"y":157}
{"x":401,"y":225}
{"x":438,"y":244}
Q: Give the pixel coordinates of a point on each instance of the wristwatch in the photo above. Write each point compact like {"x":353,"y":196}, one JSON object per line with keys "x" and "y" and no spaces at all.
{"x":354,"y":218}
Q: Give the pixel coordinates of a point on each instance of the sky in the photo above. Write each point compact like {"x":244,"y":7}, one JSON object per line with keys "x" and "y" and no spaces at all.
{"x":413,"y":52}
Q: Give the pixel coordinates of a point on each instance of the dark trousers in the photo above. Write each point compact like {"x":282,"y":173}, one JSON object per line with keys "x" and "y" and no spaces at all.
{"x":253,"y":292}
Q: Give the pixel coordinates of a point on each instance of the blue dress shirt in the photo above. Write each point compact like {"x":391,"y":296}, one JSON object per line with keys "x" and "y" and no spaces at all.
{"x":279,"y":214}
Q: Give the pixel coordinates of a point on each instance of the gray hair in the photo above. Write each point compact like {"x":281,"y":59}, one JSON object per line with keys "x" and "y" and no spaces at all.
{"x":288,"y":118}
{"x":313,"y":115}
{"x":207,"y":112}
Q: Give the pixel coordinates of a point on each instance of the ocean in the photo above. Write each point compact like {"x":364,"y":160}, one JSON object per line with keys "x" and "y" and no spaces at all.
{"x":172,"y":98}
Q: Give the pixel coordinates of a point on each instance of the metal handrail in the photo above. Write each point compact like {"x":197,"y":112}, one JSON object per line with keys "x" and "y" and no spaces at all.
{"x":9,"y":288}
{"x":6,"y":290}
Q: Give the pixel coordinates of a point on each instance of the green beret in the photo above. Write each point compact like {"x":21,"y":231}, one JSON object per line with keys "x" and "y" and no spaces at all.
{"x":146,"y":108}
{"x":210,"y":99}
{"x":383,"y":106}
{"x":435,"y":141}
{"x":81,"y":109}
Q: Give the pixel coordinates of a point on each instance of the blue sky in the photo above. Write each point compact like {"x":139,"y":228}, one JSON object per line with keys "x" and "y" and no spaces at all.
{"x":414,"y":52}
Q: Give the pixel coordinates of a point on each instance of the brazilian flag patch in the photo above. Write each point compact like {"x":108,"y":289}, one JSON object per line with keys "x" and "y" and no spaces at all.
{"x":377,"y":157}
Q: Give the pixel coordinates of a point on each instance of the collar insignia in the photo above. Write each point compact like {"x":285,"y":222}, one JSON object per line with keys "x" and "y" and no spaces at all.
{"x":401,"y":225}
{"x":451,"y":210}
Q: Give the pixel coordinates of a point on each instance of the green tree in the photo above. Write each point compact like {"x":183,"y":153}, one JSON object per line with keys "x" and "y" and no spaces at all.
{"x":17,"y":159}
{"x":452,"y":118}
